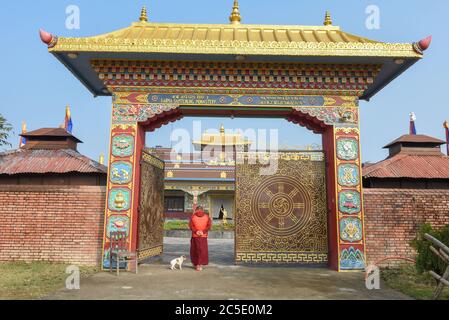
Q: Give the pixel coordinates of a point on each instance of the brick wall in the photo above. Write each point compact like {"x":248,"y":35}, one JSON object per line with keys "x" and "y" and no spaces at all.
{"x":52,"y":223}
{"x":393,"y":217}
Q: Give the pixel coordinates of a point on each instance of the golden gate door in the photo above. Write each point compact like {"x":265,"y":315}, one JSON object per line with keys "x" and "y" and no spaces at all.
{"x":151,"y":209}
{"x":281,"y":218}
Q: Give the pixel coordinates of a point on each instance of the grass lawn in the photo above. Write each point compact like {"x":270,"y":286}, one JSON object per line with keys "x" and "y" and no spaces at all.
{"x":184,"y":225}
{"x":406,"y":280}
{"x":26,"y":281}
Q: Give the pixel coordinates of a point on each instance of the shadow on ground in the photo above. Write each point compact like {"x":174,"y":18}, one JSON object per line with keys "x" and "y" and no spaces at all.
{"x":222,"y":280}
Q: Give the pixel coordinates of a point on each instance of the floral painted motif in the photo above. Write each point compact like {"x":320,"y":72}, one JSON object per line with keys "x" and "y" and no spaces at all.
{"x":347,"y":149}
{"x":123,"y":145}
{"x":351,"y":229}
{"x":118,"y":223}
{"x":348,"y":175}
{"x":352,"y":259}
{"x":349,"y":202}
{"x":119,"y":199}
{"x":121,"y":172}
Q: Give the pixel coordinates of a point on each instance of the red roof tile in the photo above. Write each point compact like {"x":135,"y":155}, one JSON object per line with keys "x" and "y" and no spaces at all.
{"x":409,"y":166}
{"x":41,"y":161}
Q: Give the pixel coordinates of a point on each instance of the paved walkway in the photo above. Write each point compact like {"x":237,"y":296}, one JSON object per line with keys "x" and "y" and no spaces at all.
{"x":223,"y":281}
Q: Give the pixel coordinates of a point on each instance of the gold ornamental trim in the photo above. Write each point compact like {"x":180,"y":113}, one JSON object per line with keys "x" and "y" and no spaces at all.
{"x":235,"y":47}
{"x":282,"y":258}
{"x":152,"y":160}
{"x":314,"y":156}
{"x":148,"y":253}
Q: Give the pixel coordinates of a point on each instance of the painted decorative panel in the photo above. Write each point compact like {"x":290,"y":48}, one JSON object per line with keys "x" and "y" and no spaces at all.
{"x":123,"y":145}
{"x":121,"y":172}
{"x":347,"y":149}
{"x":352,"y":259}
{"x":349,"y":202}
{"x":351,"y":229}
{"x":348,"y":175}
{"x":119,"y":199}
{"x":118,"y":223}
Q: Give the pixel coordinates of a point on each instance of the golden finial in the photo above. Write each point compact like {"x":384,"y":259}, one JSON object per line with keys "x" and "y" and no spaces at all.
{"x":328,"y":19}
{"x":235,"y":17}
{"x":222,"y":129}
{"x":446,"y":124}
{"x":101,"y":161}
{"x":24,"y":127}
{"x":143,"y":15}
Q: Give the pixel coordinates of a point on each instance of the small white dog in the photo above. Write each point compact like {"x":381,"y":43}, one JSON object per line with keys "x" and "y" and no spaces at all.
{"x":177,"y":262}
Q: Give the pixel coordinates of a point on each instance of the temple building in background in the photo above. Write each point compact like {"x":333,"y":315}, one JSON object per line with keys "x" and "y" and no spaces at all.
{"x":205,"y":177}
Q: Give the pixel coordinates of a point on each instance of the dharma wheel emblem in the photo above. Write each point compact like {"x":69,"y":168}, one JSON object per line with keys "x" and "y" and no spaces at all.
{"x":281,"y":206}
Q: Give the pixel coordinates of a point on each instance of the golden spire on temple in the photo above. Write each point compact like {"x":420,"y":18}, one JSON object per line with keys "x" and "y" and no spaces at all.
{"x":143,"y":15}
{"x":446,"y":124}
{"x":235,"y":17}
{"x":222,"y":129}
{"x":101,"y":160}
{"x":328,"y":19}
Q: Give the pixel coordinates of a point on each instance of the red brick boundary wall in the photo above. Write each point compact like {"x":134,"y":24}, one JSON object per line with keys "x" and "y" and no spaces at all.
{"x":52,"y":223}
{"x":65,"y":224}
{"x":393,"y":217}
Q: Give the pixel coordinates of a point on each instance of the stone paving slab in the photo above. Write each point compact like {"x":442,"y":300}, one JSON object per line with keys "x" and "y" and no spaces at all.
{"x":222,"y":280}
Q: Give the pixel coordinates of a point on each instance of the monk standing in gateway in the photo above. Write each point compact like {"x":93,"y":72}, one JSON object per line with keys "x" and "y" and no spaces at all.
{"x":200,"y":224}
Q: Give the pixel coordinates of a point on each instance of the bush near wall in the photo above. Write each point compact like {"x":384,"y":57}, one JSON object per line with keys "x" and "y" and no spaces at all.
{"x":426,"y":260}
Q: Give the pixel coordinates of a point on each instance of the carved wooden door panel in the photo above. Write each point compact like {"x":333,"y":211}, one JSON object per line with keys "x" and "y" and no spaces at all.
{"x":151,"y":209}
{"x":281,"y":218}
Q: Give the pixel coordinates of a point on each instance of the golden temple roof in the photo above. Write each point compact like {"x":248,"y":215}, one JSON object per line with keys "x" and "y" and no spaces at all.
{"x":222,"y":139}
{"x":234,"y":38}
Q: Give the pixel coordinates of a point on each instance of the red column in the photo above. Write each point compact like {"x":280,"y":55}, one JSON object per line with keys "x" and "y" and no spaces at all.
{"x":122,"y":195}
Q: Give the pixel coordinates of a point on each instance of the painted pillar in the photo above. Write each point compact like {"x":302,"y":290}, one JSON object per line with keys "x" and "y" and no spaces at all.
{"x":341,"y":143}
{"x":346,"y":166}
{"x":122,"y":198}
{"x":130,"y":111}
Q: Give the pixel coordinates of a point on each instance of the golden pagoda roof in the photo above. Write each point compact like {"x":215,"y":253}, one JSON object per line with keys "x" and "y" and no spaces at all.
{"x":153,"y":41}
{"x":222,"y":139}
{"x":235,"y":38}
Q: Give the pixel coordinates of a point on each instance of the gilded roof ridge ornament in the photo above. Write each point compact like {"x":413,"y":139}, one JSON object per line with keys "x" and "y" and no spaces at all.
{"x":143,"y":15}
{"x":235,"y":17}
{"x":328,"y":19}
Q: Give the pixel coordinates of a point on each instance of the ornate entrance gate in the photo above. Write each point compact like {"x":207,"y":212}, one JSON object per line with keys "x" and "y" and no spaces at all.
{"x":151,"y":209}
{"x":282,"y":218}
{"x":310,"y":75}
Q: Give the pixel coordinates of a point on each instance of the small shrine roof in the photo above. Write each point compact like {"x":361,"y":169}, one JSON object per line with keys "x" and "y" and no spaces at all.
{"x":416,"y":139}
{"x":42,"y":161}
{"x":50,"y":132}
{"x":410,"y":166}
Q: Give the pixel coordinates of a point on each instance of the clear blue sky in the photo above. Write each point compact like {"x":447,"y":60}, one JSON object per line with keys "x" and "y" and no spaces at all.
{"x":36,"y":87}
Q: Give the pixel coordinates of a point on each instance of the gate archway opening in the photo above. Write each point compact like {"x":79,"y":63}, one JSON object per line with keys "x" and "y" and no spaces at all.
{"x":198,"y":175}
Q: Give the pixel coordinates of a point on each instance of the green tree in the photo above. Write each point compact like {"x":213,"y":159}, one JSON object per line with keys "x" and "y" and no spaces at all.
{"x":5,"y":131}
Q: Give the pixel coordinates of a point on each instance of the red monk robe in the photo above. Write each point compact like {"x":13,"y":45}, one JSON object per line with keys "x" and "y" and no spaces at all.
{"x":200,"y":223}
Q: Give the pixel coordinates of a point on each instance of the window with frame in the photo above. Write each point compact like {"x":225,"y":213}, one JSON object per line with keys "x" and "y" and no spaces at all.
{"x":174,"y":204}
